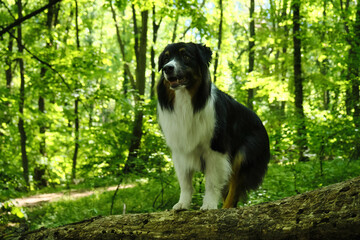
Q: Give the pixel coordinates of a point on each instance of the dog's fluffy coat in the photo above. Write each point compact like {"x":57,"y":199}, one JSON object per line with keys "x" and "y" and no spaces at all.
{"x":207,"y":130}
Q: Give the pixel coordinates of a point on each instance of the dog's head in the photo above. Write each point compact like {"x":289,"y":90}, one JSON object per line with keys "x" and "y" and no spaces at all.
{"x":185,"y":64}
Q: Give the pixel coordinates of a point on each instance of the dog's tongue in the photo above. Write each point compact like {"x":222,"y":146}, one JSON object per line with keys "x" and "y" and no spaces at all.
{"x":174,"y":84}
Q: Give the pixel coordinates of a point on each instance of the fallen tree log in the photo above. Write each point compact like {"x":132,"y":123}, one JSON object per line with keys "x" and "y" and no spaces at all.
{"x":332,"y":212}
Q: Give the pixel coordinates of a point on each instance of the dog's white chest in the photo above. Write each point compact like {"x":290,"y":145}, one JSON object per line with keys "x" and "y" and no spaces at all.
{"x":185,"y":131}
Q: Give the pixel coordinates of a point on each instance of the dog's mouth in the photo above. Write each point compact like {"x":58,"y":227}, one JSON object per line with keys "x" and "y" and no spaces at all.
{"x":175,"y":82}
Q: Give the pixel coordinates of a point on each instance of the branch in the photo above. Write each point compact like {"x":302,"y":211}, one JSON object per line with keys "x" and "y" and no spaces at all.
{"x":331,"y":212}
{"x":9,"y":11}
{"x":43,"y":62}
{"x":19,"y":21}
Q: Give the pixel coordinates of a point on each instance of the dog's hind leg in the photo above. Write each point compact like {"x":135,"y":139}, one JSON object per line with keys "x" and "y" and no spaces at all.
{"x":235,"y":189}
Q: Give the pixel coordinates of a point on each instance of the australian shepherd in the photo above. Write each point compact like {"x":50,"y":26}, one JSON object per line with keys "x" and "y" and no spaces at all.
{"x":207,"y":130}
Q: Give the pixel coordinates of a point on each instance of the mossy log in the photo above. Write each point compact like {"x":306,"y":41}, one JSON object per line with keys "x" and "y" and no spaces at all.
{"x":331,"y":212}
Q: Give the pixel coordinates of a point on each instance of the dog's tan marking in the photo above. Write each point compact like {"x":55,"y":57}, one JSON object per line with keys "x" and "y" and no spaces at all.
{"x":169,"y":91}
{"x":234,"y":192}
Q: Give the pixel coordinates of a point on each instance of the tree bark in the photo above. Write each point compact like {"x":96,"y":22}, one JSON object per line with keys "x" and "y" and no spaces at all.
{"x":251,"y":52}
{"x":25,"y":161}
{"x":298,"y":82}
{"x":331,"y":212}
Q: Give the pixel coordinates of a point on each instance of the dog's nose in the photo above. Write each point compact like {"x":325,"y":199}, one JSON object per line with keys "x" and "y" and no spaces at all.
{"x":169,"y":69}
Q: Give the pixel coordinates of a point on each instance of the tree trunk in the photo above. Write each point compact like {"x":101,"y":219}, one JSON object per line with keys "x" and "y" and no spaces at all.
{"x":140,"y":48}
{"x":9,"y":77}
{"x":298,"y":82}
{"x":25,"y":161}
{"x":324,"y":65}
{"x":140,"y":87}
{"x":352,"y":75}
{"x":251,"y":52}
{"x":153,"y":65}
{"x":76,"y":105}
{"x":331,"y":212}
{"x":175,"y":28}
{"x":40,"y":169}
{"x":122,"y":47}
{"x":8,"y":62}
{"x":219,"y":40}
{"x":77,"y":134}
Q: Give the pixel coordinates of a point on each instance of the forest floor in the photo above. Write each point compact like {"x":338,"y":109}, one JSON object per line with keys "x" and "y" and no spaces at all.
{"x":38,"y":199}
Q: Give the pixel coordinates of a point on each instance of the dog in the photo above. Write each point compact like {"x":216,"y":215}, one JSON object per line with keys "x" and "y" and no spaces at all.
{"x":207,"y":130}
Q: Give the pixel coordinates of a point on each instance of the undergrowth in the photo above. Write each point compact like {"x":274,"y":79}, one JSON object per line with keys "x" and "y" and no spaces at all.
{"x":161,"y":192}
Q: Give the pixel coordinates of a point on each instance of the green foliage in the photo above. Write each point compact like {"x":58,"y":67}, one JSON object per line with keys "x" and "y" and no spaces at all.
{"x":60,"y":72}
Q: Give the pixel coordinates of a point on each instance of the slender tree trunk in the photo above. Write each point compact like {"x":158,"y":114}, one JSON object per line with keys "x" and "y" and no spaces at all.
{"x":140,"y":46}
{"x":298,"y":82}
{"x":344,"y":15}
{"x":175,"y":28}
{"x":352,"y":75}
{"x":284,"y":51}
{"x":8,"y":62}
{"x":122,"y":48}
{"x":9,"y":77}
{"x":40,"y":169}
{"x":251,"y":52}
{"x":219,"y":40}
{"x":25,"y":161}
{"x":140,"y":87}
{"x":77,"y":133}
{"x":76,"y":107}
{"x":324,"y":65}
{"x":153,"y":65}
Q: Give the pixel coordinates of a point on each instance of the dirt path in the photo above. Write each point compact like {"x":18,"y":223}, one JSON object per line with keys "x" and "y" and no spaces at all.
{"x":35,"y":200}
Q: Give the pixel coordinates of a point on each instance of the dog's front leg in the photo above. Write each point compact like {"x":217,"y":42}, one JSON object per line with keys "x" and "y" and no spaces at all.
{"x":217,"y":173}
{"x":184,"y":174}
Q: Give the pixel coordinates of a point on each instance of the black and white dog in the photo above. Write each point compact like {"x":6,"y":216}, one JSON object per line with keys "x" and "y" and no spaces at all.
{"x":207,"y":130}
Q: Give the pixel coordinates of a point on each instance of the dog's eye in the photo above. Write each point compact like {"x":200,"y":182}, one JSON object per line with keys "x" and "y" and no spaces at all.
{"x":166,"y":59}
{"x":186,"y":57}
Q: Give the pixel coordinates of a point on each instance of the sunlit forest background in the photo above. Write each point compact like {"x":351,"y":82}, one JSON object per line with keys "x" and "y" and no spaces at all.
{"x":78,"y":99}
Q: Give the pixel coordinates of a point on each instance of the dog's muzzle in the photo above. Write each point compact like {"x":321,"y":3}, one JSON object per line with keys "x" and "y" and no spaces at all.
{"x":175,"y":80}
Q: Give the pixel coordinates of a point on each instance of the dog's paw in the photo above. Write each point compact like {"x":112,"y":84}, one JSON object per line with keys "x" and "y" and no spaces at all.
{"x":208,"y":206}
{"x":181,"y":206}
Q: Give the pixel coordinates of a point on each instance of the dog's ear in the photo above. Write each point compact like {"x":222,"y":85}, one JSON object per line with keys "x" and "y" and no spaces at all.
{"x":204,"y":54}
